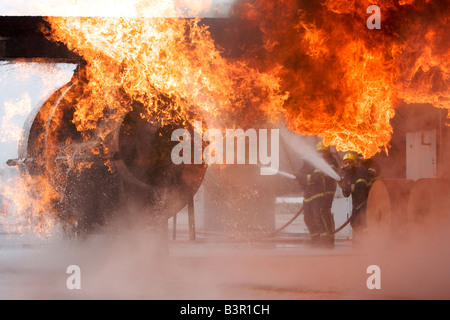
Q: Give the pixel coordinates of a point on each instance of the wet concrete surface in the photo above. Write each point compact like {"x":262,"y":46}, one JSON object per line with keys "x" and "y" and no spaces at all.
{"x":136,"y":265}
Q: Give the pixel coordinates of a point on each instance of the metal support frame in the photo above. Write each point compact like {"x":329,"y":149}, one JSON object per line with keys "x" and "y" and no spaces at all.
{"x":191,"y":221}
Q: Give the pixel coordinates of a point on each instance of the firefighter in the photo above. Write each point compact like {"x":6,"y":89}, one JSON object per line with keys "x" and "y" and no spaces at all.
{"x":319,"y":190}
{"x":356,"y":179}
{"x":373,"y":170}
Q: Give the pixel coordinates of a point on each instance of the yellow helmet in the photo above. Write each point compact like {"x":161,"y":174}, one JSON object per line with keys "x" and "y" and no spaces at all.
{"x":321,"y":147}
{"x":350,"y":156}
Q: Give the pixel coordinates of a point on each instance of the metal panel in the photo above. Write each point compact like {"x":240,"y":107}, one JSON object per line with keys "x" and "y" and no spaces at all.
{"x":421,"y":154}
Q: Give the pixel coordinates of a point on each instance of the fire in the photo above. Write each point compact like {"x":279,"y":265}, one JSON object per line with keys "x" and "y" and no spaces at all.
{"x":424,"y":66}
{"x":345,"y":80}
{"x":136,"y":59}
{"x":30,"y":196}
{"x":32,"y":213}
{"x":319,"y":69}
{"x":129,"y":61}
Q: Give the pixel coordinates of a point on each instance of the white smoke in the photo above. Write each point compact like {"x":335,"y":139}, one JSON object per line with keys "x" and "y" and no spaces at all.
{"x":118,"y":8}
{"x":302,"y":148}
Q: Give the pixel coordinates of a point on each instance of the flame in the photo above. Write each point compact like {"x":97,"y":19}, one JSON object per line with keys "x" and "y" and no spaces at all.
{"x":346,"y":80}
{"x":33,"y":212}
{"x":424,"y":65}
{"x":30,"y":197}
{"x":319,"y":68}
{"x":133,"y":59}
{"x":129,"y":60}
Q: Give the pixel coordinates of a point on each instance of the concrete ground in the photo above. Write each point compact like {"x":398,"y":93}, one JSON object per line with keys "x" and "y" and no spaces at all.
{"x":136,"y":265}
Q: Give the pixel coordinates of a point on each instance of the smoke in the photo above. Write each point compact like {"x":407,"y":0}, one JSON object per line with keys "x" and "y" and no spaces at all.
{"x":118,"y":8}
{"x":413,"y":268}
{"x":134,"y":261}
{"x":9,"y":131}
{"x":302,"y":148}
{"x":138,"y":265}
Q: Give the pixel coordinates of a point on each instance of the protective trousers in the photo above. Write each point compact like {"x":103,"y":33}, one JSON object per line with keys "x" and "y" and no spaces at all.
{"x":320,"y":222}
{"x":358,"y":223}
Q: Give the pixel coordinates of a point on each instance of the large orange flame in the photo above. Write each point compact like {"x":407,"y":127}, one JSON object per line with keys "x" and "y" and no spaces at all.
{"x":144,"y":61}
{"x":319,"y":68}
{"x":345,"y":79}
{"x":140,"y":58}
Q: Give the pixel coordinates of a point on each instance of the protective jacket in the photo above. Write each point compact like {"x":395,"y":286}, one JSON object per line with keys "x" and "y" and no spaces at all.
{"x":319,"y":190}
{"x":315,"y":183}
{"x":357,"y":183}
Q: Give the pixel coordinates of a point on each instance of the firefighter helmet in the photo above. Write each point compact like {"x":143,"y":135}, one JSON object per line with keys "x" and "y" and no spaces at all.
{"x":350,"y":156}
{"x":321,"y":147}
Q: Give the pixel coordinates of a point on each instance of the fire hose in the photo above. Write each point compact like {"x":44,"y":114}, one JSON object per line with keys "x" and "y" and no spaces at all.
{"x":274,"y":233}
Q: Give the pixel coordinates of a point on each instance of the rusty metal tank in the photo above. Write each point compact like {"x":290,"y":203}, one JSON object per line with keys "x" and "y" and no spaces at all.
{"x":399,"y":210}
{"x":387,"y":209}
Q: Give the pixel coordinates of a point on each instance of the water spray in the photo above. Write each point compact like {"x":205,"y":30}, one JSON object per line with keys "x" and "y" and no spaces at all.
{"x":281,"y":173}
{"x":307,"y":153}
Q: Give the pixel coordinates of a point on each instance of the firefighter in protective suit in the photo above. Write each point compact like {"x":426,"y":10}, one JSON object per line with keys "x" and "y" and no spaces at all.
{"x":356,"y":180}
{"x":319,"y":190}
